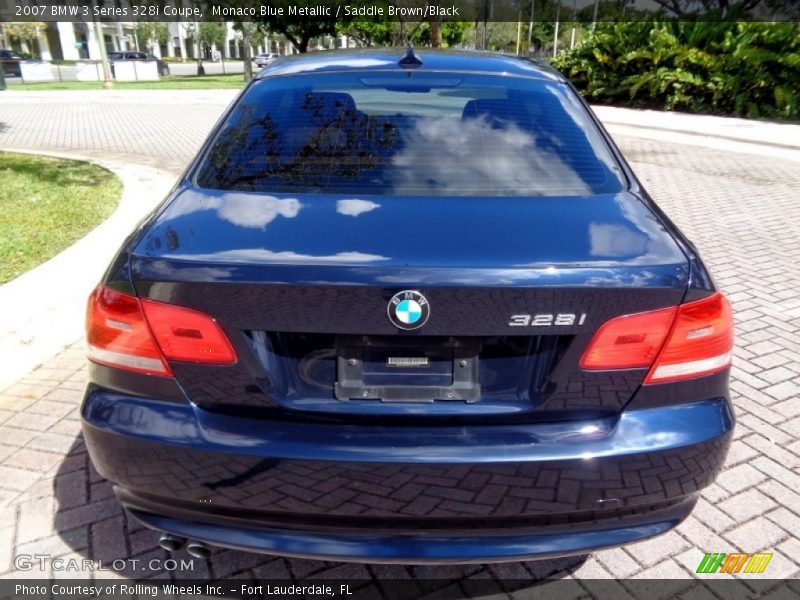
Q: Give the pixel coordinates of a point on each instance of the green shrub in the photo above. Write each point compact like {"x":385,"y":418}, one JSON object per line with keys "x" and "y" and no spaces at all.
{"x":731,"y":68}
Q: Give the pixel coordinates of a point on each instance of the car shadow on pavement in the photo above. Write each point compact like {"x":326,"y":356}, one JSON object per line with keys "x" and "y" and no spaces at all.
{"x":91,"y":522}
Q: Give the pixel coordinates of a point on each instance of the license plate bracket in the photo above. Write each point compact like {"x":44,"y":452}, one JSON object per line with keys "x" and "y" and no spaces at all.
{"x":412,"y":369}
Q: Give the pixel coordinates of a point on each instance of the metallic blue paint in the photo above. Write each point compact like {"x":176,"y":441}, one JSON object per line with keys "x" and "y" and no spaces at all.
{"x":543,"y":233}
{"x":623,"y":467}
{"x":666,"y":277}
{"x":240,"y":456}
{"x":419,"y":548}
{"x":375,"y":59}
{"x":633,"y":432}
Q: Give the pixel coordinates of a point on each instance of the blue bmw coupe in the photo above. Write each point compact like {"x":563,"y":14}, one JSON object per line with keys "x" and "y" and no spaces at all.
{"x":408,"y":307}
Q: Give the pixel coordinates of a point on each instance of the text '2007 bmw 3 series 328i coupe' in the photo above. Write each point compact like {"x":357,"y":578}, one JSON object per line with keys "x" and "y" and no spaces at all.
{"x":408,"y":308}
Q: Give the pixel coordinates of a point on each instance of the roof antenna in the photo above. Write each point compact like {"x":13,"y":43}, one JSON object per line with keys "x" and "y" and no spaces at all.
{"x":410,"y":60}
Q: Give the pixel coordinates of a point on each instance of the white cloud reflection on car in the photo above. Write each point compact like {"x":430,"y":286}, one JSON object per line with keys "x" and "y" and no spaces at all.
{"x":256,"y":210}
{"x":446,"y":156}
{"x":298,"y":65}
{"x":645,"y":244}
{"x":613,"y":240}
{"x":263,"y":255}
{"x":242,"y":209}
{"x":353,"y":206}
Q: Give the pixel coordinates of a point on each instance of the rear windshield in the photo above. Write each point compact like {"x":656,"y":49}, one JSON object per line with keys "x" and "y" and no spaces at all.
{"x":410,"y":133}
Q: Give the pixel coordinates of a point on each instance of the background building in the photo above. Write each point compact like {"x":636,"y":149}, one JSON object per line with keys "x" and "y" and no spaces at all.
{"x":79,"y":41}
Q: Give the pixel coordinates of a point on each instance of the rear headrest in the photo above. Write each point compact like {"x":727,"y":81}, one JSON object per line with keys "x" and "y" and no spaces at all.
{"x":494,"y":107}
{"x":499,"y":113}
{"x":329,"y":104}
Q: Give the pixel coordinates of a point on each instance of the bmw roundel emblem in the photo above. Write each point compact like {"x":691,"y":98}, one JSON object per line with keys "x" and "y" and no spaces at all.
{"x":409,"y":310}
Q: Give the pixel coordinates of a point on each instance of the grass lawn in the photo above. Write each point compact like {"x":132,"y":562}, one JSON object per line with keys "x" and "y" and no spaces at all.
{"x":46,"y":204}
{"x":233,"y":81}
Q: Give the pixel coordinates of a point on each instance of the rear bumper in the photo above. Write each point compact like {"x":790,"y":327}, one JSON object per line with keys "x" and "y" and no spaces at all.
{"x":417,"y":547}
{"x":406,"y":494}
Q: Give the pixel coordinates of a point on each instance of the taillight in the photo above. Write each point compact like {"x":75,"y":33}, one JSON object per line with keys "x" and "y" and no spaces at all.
{"x":700,"y":343}
{"x":679,"y":342}
{"x":629,"y":342}
{"x":141,"y":335}
{"x":188,"y":335}
{"x":118,"y":335}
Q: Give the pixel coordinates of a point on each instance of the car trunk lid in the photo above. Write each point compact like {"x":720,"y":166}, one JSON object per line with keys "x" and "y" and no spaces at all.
{"x":516,"y":288}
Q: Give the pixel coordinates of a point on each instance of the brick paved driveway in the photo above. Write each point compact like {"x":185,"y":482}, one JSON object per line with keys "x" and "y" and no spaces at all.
{"x":742,"y":212}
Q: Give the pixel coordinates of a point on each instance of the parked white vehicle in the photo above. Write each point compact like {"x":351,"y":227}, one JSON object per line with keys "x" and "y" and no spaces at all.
{"x":266,"y":58}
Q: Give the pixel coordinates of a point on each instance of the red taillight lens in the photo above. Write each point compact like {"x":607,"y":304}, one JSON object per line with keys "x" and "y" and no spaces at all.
{"x":700,"y":343}
{"x":140,"y":335}
{"x":630,"y":341}
{"x":118,"y":335}
{"x":188,"y":335}
{"x":679,"y":342}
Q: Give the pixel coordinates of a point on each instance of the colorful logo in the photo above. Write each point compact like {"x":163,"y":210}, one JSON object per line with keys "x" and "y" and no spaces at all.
{"x":408,"y":310}
{"x":737,"y":562}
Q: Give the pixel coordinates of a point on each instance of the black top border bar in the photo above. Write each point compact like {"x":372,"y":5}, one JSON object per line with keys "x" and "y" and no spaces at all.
{"x":471,"y":11}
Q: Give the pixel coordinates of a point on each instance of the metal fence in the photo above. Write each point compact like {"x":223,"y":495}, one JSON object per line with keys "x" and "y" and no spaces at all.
{"x":92,"y":71}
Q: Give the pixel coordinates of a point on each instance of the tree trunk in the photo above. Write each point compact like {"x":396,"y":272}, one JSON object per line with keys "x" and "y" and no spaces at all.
{"x":436,"y":33}
{"x":248,"y":65}
{"x":301,"y":45}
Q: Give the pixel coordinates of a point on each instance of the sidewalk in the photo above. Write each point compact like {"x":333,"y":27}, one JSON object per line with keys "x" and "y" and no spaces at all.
{"x":763,"y":138}
{"x":43,"y":310}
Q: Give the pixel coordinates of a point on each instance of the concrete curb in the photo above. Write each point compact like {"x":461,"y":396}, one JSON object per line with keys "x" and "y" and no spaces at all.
{"x":43,"y":310}
{"x":778,"y":140}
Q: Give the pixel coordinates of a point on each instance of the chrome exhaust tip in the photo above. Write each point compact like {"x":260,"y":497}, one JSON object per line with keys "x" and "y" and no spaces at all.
{"x":198,"y":549}
{"x":170,"y":542}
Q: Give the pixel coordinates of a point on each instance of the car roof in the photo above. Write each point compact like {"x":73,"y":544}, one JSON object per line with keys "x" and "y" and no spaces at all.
{"x":371,"y":59}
